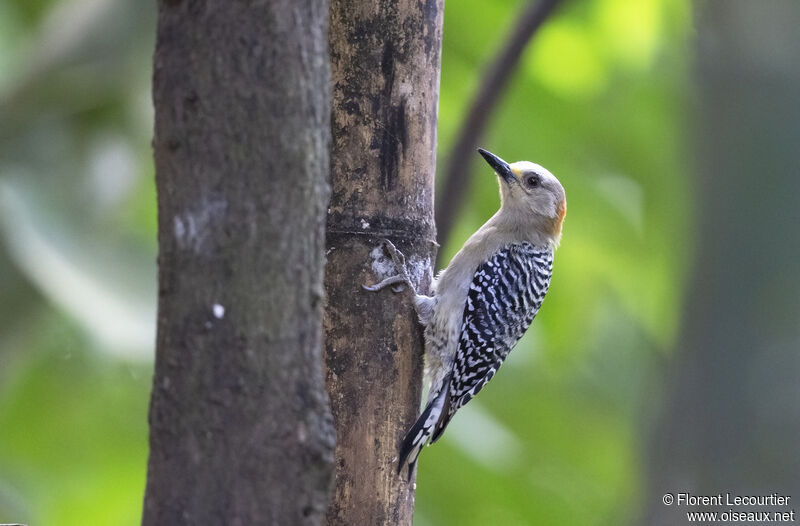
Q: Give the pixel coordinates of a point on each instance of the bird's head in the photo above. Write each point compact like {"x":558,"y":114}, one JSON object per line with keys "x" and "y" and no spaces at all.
{"x":530,"y":196}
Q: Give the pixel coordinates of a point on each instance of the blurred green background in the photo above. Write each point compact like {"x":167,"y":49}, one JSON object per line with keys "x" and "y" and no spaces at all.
{"x":605,"y":97}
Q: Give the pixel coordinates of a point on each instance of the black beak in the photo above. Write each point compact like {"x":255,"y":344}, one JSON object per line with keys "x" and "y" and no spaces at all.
{"x":500,"y":167}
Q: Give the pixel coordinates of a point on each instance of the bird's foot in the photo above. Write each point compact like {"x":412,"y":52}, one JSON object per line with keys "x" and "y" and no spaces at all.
{"x":396,"y":282}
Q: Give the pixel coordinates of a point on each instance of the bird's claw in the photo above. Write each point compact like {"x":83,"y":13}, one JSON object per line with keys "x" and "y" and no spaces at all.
{"x":401,"y":280}
{"x":395,"y":282}
{"x":398,"y":258}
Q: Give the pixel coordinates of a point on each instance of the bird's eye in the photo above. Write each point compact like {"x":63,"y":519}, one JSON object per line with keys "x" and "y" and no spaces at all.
{"x":532,"y":181}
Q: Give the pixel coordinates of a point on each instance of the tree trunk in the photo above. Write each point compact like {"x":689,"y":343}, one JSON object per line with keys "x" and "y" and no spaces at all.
{"x":733,"y":419}
{"x":385,"y":61}
{"x":240,"y":428}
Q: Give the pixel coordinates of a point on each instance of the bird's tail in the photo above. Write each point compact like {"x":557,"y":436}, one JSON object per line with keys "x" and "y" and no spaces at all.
{"x":420,"y":432}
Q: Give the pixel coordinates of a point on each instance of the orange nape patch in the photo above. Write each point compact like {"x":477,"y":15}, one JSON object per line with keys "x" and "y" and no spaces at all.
{"x":561,"y":212}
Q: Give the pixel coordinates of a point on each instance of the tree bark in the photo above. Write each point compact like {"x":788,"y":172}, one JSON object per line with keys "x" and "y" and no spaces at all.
{"x":240,"y":428}
{"x":385,"y":61}
{"x":732,"y":420}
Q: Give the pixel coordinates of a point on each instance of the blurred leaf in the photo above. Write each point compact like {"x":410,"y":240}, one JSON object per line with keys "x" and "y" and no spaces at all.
{"x":111,"y":294}
{"x":68,"y":453}
{"x":565,"y":42}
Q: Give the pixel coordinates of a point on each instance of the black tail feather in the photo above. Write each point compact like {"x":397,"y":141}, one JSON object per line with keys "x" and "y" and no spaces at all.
{"x":414,"y":440}
{"x":417,"y":436}
{"x":444,"y":419}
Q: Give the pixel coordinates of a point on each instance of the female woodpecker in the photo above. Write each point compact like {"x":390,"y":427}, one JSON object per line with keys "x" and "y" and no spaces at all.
{"x":486,"y":298}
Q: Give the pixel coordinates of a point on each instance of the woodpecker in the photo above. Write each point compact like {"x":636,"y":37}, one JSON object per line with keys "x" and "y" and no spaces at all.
{"x":484,"y":300}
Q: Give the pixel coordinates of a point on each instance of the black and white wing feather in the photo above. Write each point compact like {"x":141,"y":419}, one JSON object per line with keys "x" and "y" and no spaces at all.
{"x":504,"y":297}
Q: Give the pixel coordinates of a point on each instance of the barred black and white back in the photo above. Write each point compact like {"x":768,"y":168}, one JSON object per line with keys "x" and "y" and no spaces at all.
{"x":504,"y":296}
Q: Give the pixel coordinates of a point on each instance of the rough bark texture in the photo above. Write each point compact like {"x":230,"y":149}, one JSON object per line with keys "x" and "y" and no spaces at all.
{"x":732,"y":423}
{"x":385,"y":61}
{"x":240,"y":428}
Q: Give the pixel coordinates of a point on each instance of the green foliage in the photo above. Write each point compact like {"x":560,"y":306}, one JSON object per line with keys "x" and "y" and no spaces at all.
{"x":599,"y":99}
{"x":74,"y":439}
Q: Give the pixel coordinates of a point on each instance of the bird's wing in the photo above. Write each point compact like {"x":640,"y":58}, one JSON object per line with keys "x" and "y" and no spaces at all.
{"x":504,"y":297}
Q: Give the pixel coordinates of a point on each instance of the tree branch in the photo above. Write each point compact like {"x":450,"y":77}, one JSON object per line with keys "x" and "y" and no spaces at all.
{"x":495,"y":80}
